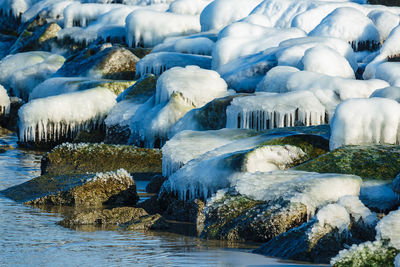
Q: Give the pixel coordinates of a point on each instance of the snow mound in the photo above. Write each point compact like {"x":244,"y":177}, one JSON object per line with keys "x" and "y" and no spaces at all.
{"x":391,"y":92}
{"x":358,"y":211}
{"x":54,"y":117}
{"x":350,"y":25}
{"x":188,"y":7}
{"x":276,"y":79}
{"x":220,"y":13}
{"x":4,"y":101}
{"x":20,"y":73}
{"x":389,"y":71}
{"x":157,"y":63}
{"x":325,"y":60}
{"x":52,"y":10}
{"x":389,"y":229}
{"x":148,"y":28}
{"x":385,"y":22}
{"x":199,"y":44}
{"x":188,"y":145}
{"x":365,"y":121}
{"x":334,"y":215}
{"x":197,"y":86}
{"x":267,"y":111}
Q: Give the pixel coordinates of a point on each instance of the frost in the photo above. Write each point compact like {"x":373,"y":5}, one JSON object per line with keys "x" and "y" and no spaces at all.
{"x":358,"y":211}
{"x":188,"y":7}
{"x":121,"y":176}
{"x":391,"y":92}
{"x":389,"y":229}
{"x":54,"y":117}
{"x":379,"y":195}
{"x":4,"y":101}
{"x":267,"y":111}
{"x":157,"y":63}
{"x":276,"y":79}
{"x":365,"y":121}
{"x":148,"y":27}
{"x":188,"y":145}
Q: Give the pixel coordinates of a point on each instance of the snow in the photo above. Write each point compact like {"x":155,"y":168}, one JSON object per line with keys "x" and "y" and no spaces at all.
{"x":52,"y":10}
{"x":188,"y":145}
{"x":188,"y":7}
{"x":276,"y":79}
{"x":385,"y":22}
{"x":121,"y":113}
{"x":55,"y":116}
{"x":365,"y":121}
{"x":267,"y":111}
{"x":315,"y":59}
{"x":391,"y":92}
{"x":120,"y":176}
{"x":200,"y":44}
{"x":20,"y":73}
{"x":157,"y":63}
{"x":56,"y":86}
{"x":197,"y":86}
{"x":389,"y":228}
{"x":389,"y":71}
{"x":358,"y":211}
{"x":378,"y":195}
{"x":350,"y":25}
{"x":334,"y":215}
{"x":220,"y":13}
{"x":4,"y":101}
{"x":148,"y":28}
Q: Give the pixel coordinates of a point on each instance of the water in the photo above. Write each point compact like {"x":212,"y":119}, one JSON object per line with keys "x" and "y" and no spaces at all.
{"x":31,"y":237}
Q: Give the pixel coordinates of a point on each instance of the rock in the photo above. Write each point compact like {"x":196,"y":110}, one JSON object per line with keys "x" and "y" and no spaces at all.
{"x":81,"y":158}
{"x":376,"y":253}
{"x":155,"y":184}
{"x":81,"y":190}
{"x":15,"y":104}
{"x":142,"y":90}
{"x":377,"y":162}
{"x":4,"y":148}
{"x":117,"y":134}
{"x":149,"y":222}
{"x":115,"y":216}
{"x":92,"y":136}
{"x":101,"y":61}
{"x":4,"y":131}
{"x":396,"y":184}
{"x":238,"y":218}
{"x":40,"y":39}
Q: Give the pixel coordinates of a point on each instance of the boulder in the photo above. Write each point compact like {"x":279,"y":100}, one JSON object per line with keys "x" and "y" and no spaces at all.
{"x":83,"y":157}
{"x":377,"y":162}
{"x":154,"y":186}
{"x":148,"y":222}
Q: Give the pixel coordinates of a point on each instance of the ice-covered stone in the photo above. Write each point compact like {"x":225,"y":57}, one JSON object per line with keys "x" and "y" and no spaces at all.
{"x":391,"y":92}
{"x":379,"y":196}
{"x":389,"y":229}
{"x":4,"y":101}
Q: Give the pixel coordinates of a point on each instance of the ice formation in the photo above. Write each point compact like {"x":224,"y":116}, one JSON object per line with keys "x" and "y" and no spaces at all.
{"x":325,"y":60}
{"x":148,"y":27}
{"x":267,"y":111}
{"x":52,"y":10}
{"x":397,"y":261}
{"x":121,"y":113}
{"x":389,"y":71}
{"x":199,"y":44}
{"x":188,"y":7}
{"x":56,"y":86}
{"x":157,"y":63}
{"x":20,"y":73}
{"x":276,"y":79}
{"x":385,"y":22}
{"x":188,"y":145}
{"x":379,"y":195}
{"x":365,"y":121}
{"x":334,"y":215}
{"x":389,"y":229}
{"x":351,"y":25}
{"x":396,"y":184}
{"x":121,"y":175}
{"x":53,"y":117}
{"x":358,"y":211}
{"x":4,"y":101}
{"x":391,"y":92}
{"x":197,"y":86}
{"x":221,"y":13}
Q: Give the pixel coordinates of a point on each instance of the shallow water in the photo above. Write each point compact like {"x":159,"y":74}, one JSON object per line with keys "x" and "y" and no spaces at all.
{"x":31,"y":237}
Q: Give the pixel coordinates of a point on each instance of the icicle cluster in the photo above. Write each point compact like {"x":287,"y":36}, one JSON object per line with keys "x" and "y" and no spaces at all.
{"x":64,"y":115}
{"x":267,"y":111}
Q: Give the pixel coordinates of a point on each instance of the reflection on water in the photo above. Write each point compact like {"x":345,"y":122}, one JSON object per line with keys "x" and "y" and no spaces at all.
{"x":30,"y":236}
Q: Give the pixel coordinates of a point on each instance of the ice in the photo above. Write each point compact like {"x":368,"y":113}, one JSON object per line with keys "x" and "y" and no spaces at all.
{"x":20,"y":73}
{"x":276,"y":79}
{"x":315,"y":59}
{"x":389,"y":71}
{"x":157,"y":63}
{"x":149,"y":27}
{"x":221,"y":13}
{"x":15,"y":8}
{"x":350,"y":25}
{"x":391,"y":92}
{"x":396,"y":184}
{"x":188,"y":145}
{"x":197,"y":86}
{"x":188,"y":7}
{"x":52,"y":10}
{"x":4,"y":101}
{"x":379,"y":195}
{"x":64,"y":115}
{"x":365,"y":121}
{"x":334,"y":215}
{"x":358,"y":211}
{"x":385,"y":22}
{"x":56,"y":86}
{"x":267,"y":111}
{"x":242,"y":38}
{"x":397,"y":261}
{"x":389,"y":229}
{"x":122,"y":113}
{"x":120,"y":175}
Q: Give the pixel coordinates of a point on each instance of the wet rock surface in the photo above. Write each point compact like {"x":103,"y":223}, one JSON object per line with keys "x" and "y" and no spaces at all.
{"x":148,"y":222}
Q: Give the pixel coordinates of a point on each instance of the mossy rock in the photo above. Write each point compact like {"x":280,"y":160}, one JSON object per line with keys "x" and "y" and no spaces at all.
{"x":5,"y":148}
{"x":375,"y":162}
{"x":83,"y":158}
{"x":83,"y":190}
{"x":149,"y":222}
{"x":143,"y":89}
{"x":238,"y":218}
{"x":115,"y":216}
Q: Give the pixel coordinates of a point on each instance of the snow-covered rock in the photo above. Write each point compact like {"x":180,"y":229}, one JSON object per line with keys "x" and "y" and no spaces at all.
{"x":4,"y":101}
{"x":391,"y":92}
{"x":188,"y":7}
{"x":389,"y":229}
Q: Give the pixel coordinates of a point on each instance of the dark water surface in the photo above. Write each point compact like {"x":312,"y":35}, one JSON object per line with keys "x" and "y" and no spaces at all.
{"x":31,"y":237}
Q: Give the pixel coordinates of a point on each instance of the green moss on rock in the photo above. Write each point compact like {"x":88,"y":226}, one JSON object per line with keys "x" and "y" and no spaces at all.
{"x":377,"y":162}
{"x":149,"y":222}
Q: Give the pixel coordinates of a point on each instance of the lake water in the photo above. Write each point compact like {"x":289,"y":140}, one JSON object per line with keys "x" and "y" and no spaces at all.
{"x":31,"y":237}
